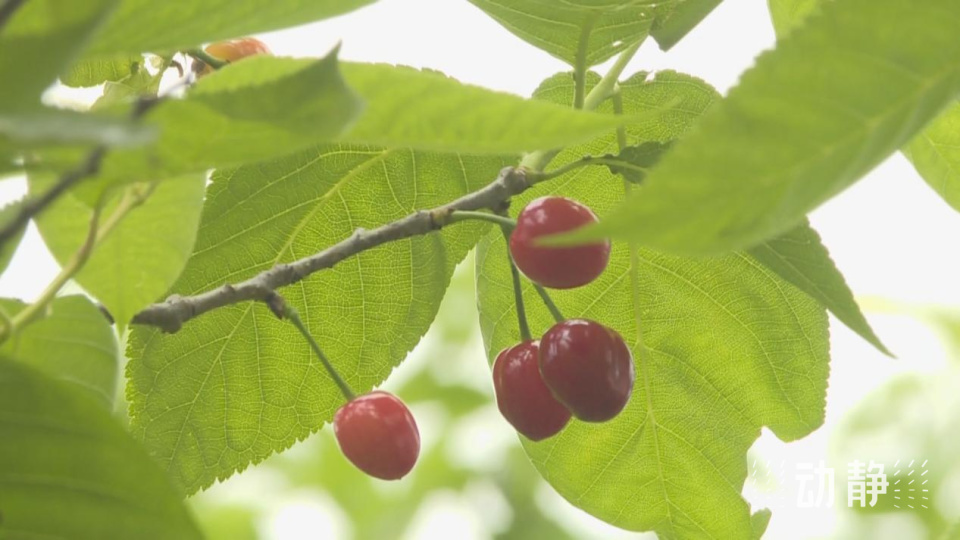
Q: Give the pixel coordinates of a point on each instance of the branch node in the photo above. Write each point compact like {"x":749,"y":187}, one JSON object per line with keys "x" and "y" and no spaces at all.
{"x":439,"y":218}
{"x":514,"y":179}
{"x":175,"y":311}
{"x":276,"y":304}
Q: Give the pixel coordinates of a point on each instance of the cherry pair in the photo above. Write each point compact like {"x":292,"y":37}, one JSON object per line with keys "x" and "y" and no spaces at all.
{"x":578,"y":367}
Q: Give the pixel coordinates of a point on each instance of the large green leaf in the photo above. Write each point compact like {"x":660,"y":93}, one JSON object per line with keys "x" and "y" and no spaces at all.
{"x":459,"y":117}
{"x":680,"y":99}
{"x":146,"y":25}
{"x":40,"y":41}
{"x":731,"y":347}
{"x":136,"y":261}
{"x":68,"y":469}
{"x":264,"y":107}
{"x":236,"y":384}
{"x":800,"y":257}
{"x":73,"y":342}
{"x":836,"y":97}
{"x":591,"y":30}
{"x":935,"y":153}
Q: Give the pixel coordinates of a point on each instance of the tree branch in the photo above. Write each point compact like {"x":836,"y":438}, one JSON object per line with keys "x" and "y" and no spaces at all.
{"x":90,"y":166}
{"x":171,"y":314}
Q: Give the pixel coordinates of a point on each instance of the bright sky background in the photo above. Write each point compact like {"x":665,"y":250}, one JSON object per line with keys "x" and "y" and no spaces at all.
{"x":891,"y":235}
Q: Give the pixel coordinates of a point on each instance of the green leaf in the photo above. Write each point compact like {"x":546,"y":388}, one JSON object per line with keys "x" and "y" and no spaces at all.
{"x":730,"y":348}
{"x":7,"y":214}
{"x":147,"y":25}
{"x":789,"y":14}
{"x":73,"y":342}
{"x":589,"y":29}
{"x":241,"y":372}
{"x":52,"y":127}
{"x":126,"y":90}
{"x":799,"y":257}
{"x":759,"y":521}
{"x":687,"y":14}
{"x":681,"y":98}
{"x":137,"y":260}
{"x":40,"y":41}
{"x":68,"y":469}
{"x":935,"y":153}
{"x":637,"y":160}
{"x":834,"y":99}
{"x":459,"y":117}
{"x":94,"y":72}
{"x":256,"y":109}
{"x":233,"y":116}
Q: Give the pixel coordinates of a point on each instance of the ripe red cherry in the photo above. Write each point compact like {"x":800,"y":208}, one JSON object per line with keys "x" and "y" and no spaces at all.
{"x":588,"y":367}
{"x":556,"y":267}
{"x":523,"y":398}
{"x":233,"y":50}
{"x":378,"y":434}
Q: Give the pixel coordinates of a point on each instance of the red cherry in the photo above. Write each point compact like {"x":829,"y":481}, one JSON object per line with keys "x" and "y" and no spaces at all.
{"x":378,"y":434}
{"x":524,"y":400}
{"x":588,"y":367}
{"x":556,"y":267}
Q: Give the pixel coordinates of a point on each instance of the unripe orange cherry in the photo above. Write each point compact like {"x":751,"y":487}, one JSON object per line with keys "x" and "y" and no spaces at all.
{"x":233,"y":50}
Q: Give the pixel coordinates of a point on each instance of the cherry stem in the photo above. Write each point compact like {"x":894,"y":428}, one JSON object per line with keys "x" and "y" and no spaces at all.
{"x":585,"y":161}
{"x":554,"y":310}
{"x":294,"y":317}
{"x":464,"y":215}
{"x":206,"y":58}
{"x":517,"y":289}
{"x":506,"y":227}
